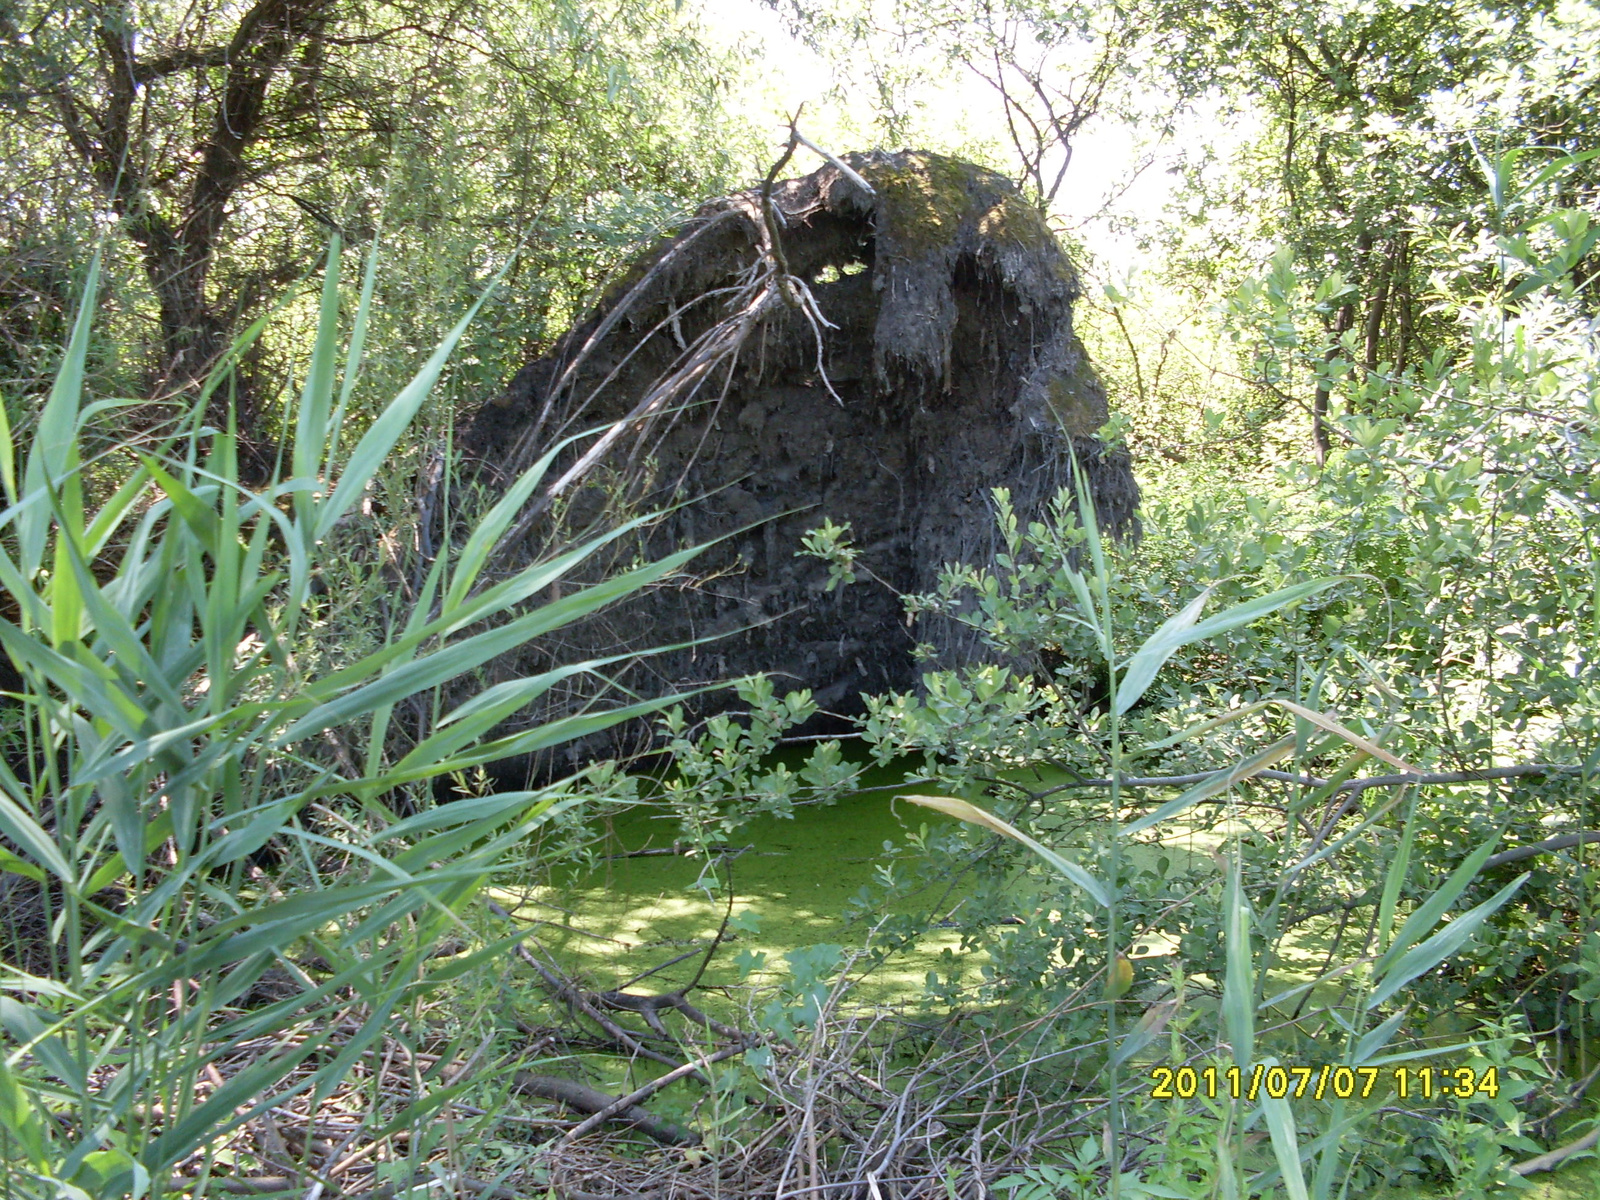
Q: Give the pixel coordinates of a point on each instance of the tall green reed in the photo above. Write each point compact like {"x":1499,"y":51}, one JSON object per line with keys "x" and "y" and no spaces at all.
{"x":175,"y":718}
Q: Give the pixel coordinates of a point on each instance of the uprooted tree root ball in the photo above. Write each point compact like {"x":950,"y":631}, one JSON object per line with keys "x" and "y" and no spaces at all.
{"x":879,"y":343}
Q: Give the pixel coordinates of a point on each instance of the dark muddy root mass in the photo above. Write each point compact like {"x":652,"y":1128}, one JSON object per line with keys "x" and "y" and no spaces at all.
{"x":883,"y":359}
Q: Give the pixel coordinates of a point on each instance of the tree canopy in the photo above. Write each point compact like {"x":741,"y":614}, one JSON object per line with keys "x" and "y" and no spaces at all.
{"x":226,"y":142}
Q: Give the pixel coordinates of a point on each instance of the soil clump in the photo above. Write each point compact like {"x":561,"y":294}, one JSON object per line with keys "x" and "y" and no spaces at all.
{"x":880,"y":343}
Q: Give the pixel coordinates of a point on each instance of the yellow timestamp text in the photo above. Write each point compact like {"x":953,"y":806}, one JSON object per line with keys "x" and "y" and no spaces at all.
{"x":1326,"y":1082}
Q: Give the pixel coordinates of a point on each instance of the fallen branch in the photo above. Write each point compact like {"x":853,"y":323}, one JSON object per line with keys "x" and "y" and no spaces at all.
{"x":237,"y":1185}
{"x":625,"y":1104}
{"x":649,"y":1008}
{"x":566,"y":1193}
{"x":1576,"y":1094}
{"x":1552,"y":1159}
{"x":608,"y":1108}
{"x":1354,"y":785}
{"x":460,"y":1184}
{"x":680,"y":850}
{"x":839,"y":164}
{"x":563,"y":990}
{"x":1550,"y":845}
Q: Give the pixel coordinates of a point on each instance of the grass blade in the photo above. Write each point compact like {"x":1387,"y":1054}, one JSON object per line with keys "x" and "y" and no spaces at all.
{"x":316,"y":395}
{"x":974,"y":815}
{"x":457,"y":659}
{"x":1285,"y":1143}
{"x":1238,"y":986}
{"x":1429,"y":912}
{"x":483,"y":538}
{"x":1146,"y":1029}
{"x":1377,"y":1038}
{"x":53,"y":461}
{"x":1395,"y":877}
{"x":1442,"y":945}
{"x":1183,"y":629}
{"x":355,"y":352}
{"x":29,"y":836}
{"x":1325,"y":722}
{"x":1219,"y":782}
{"x":384,"y":434}
{"x":1158,"y":647}
{"x":474,"y":809}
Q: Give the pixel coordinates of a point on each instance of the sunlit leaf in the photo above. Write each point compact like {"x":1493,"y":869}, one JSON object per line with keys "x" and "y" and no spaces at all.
{"x":971,"y":813}
{"x":1185,"y":628}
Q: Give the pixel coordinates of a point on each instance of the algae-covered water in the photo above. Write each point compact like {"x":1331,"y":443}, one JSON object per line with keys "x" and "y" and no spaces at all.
{"x":793,"y":882}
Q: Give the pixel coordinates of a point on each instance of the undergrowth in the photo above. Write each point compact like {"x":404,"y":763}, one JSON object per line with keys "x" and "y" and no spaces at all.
{"x":1291,"y":803}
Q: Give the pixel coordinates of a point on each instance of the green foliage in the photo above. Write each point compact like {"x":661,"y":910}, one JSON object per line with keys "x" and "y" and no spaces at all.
{"x":176,"y":716}
{"x":831,"y":544}
{"x":1456,"y":516}
{"x":723,"y":775}
{"x":198,"y":691}
{"x":1080,"y":1179}
{"x":226,"y":141}
{"x":812,"y":976}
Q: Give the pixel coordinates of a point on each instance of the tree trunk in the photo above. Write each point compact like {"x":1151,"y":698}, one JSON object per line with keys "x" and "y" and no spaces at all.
{"x":1319,"y":404}
{"x":1403,"y":298}
{"x":178,"y":246}
{"x":1342,"y":324}
{"x":1379,"y":304}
